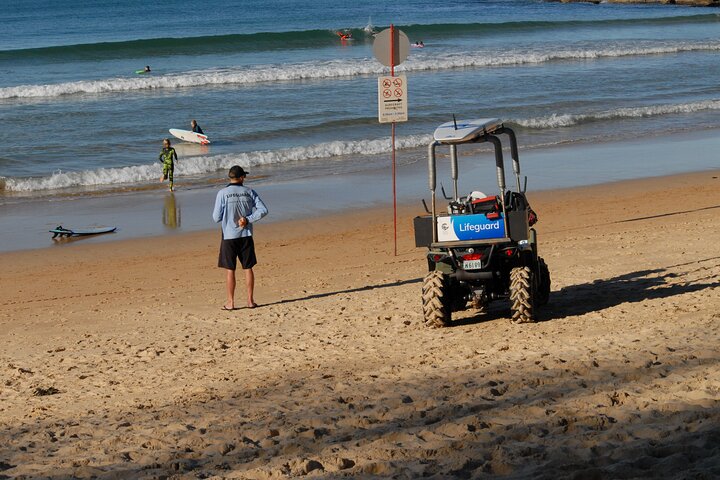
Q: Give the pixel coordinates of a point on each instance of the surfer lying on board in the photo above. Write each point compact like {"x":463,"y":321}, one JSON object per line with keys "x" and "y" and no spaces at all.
{"x":168,"y":157}
{"x":344,"y":35}
{"x":196,"y":128}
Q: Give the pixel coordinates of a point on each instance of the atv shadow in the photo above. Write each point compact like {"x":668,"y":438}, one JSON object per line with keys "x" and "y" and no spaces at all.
{"x":631,"y":287}
{"x":499,"y":310}
{"x":599,"y":295}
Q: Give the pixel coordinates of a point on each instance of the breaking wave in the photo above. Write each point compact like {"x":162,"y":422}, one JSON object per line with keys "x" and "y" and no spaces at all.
{"x":203,"y":165}
{"x":342,"y":68}
{"x":569,"y":120}
{"x":327,"y":151}
{"x":261,"y":41}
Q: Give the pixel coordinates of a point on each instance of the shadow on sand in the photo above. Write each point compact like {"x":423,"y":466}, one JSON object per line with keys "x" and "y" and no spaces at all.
{"x":342,"y":292}
{"x":602,"y":294}
{"x":565,"y":422}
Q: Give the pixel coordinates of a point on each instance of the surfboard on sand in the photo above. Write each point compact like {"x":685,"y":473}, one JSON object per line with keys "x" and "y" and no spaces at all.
{"x":189,"y":136}
{"x":61,"y":232}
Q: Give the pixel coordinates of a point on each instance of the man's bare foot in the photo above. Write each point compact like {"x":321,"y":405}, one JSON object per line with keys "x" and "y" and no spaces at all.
{"x":225,"y":307}
{"x":252,"y":305}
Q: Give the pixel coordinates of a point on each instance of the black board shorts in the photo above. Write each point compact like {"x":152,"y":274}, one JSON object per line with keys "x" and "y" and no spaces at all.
{"x":234,"y":248}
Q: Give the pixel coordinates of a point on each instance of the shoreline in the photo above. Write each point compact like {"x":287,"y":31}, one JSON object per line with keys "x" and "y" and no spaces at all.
{"x":146,"y":214}
{"x":406,"y":211}
{"x":682,"y":3}
{"x":117,"y":360}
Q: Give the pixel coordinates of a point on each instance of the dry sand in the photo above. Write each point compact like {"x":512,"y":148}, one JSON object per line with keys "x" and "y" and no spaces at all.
{"x":117,"y":362}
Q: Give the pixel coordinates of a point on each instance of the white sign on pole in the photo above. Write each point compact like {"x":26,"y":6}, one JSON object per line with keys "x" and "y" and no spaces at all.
{"x":392,"y":99}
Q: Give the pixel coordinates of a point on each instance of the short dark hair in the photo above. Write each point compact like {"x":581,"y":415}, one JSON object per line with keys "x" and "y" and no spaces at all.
{"x":236,"y":171}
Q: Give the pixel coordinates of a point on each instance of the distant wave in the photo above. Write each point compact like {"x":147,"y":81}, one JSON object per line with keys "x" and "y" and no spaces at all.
{"x":180,"y":46}
{"x":208,"y":164}
{"x":569,"y":120}
{"x":515,"y":57}
{"x":217,"y":77}
{"x":261,"y":41}
{"x":342,"y":68}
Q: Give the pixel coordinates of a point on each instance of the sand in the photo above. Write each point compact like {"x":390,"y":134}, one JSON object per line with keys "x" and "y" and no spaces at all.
{"x":116,"y":360}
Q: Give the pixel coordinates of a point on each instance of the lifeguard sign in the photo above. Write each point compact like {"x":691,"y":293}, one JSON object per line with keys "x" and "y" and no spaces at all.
{"x":391,"y":48}
{"x":392,"y":99}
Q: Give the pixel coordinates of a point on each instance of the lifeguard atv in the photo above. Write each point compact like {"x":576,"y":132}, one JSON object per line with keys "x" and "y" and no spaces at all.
{"x":481,"y":248}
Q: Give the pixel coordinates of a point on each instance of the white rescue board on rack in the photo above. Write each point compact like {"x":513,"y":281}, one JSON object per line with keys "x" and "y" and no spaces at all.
{"x":463,"y":130}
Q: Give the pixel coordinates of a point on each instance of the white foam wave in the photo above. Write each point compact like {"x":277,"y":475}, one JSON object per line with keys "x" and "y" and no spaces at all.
{"x":515,"y":57}
{"x":341,"y":68}
{"x":568,"y":120}
{"x":263,"y":74}
{"x":193,"y":166}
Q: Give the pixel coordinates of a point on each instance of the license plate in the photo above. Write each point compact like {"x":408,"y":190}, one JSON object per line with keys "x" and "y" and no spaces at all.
{"x":472,"y":264}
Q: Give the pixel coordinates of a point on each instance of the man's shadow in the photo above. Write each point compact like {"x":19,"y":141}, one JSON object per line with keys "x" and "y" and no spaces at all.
{"x":349,"y":290}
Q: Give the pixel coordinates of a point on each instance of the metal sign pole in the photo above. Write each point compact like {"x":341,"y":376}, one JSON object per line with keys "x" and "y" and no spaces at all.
{"x":394,"y":190}
{"x":391,"y":47}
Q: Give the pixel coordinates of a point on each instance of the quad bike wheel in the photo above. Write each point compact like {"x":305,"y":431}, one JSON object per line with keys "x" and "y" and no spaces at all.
{"x":435,"y":299}
{"x":522,"y":295}
{"x":543,"y":293}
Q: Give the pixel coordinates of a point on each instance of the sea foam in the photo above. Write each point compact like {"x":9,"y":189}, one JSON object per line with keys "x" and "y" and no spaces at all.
{"x":346,"y":68}
{"x":568,"y":120}
{"x":203,"y":165}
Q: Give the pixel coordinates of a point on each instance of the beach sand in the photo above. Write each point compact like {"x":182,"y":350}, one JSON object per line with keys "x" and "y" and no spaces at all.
{"x":116,"y":360}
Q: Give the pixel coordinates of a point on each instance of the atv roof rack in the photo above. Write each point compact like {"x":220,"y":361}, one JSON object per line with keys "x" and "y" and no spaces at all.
{"x":457,"y":132}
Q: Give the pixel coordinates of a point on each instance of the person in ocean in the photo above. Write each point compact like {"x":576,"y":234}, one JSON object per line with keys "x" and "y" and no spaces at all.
{"x":196,"y":128}
{"x":344,"y":35}
{"x":168,"y":157}
{"x":147,"y":68}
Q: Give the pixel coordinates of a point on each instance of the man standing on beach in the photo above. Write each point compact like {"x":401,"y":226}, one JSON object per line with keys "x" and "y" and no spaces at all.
{"x":237,"y":207}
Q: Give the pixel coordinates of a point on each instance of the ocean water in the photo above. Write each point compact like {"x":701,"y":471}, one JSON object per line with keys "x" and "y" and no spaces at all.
{"x":279,"y":93}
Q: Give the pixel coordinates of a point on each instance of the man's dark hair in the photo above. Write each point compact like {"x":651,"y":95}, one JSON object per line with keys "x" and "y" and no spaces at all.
{"x":236,"y":171}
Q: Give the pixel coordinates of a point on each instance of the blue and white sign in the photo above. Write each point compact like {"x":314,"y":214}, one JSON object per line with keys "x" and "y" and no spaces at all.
{"x":469,"y":227}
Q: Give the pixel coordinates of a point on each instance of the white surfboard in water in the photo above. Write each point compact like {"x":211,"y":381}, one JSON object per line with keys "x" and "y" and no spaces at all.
{"x":189,"y":136}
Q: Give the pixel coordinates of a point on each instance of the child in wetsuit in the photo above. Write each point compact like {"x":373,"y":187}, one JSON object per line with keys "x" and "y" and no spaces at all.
{"x":168,"y":157}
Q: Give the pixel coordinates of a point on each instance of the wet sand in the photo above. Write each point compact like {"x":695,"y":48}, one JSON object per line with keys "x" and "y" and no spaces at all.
{"x":152,"y":211}
{"x":117,"y":362}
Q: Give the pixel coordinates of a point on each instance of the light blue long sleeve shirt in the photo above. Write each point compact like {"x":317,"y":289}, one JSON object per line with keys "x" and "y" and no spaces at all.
{"x":234,"y":202}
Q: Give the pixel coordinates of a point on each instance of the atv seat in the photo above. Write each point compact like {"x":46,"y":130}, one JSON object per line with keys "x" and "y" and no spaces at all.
{"x":490,"y":206}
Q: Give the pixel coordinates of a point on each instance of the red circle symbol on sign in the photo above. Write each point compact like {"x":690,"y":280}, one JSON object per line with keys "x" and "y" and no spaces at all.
{"x":386,"y":83}
{"x":398,"y":92}
{"x":397,"y":82}
{"x":387,"y":93}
